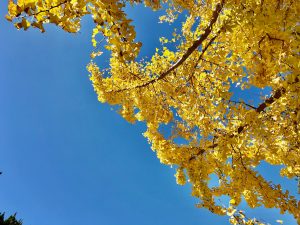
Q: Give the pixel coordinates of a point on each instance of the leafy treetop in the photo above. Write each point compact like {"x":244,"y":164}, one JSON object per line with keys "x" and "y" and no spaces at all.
{"x":11,"y":220}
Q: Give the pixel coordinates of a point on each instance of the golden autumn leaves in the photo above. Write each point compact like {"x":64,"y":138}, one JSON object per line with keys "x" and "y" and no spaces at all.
{"x":222,"y":44}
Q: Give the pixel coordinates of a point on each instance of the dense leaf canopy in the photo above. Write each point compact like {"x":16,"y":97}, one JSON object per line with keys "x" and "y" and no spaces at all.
{"x":222,"y":45}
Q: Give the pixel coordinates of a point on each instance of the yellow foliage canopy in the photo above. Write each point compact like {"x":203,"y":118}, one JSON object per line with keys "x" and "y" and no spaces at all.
{"x":222,"y":43}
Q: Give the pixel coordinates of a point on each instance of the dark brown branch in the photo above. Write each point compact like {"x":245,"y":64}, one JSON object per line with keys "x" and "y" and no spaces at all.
{"x":277,"y":94}
{"x":244,"y":103}
{"x":190,"y":50}
{"x":52,"y":7}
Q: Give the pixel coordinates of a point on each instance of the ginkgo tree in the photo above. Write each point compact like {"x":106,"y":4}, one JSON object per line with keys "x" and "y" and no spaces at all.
{"x":188,"y":86}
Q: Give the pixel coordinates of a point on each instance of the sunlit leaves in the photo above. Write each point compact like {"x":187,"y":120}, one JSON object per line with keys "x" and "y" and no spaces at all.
{"x":189,"y":85}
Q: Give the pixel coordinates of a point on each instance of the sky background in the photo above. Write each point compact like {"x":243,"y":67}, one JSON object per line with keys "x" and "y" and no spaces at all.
{"x":66,"y":158}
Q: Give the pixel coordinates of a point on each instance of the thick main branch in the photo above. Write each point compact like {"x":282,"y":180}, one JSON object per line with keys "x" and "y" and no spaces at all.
{"x":190,"y":50}
{"x":276,"y":95}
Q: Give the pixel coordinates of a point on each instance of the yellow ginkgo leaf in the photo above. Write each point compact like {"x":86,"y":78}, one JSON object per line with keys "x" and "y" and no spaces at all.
{"x":232,"y":201}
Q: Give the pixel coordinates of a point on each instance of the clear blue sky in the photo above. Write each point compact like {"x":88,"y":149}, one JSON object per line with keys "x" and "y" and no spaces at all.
{"x":68,"y":159}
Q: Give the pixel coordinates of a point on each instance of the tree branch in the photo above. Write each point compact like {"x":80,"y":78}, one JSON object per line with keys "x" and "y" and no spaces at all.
{"x":51,"y":7}
{"x":190,"y":50}
{"x":244,"y":103}
{"x":277,"y":94}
